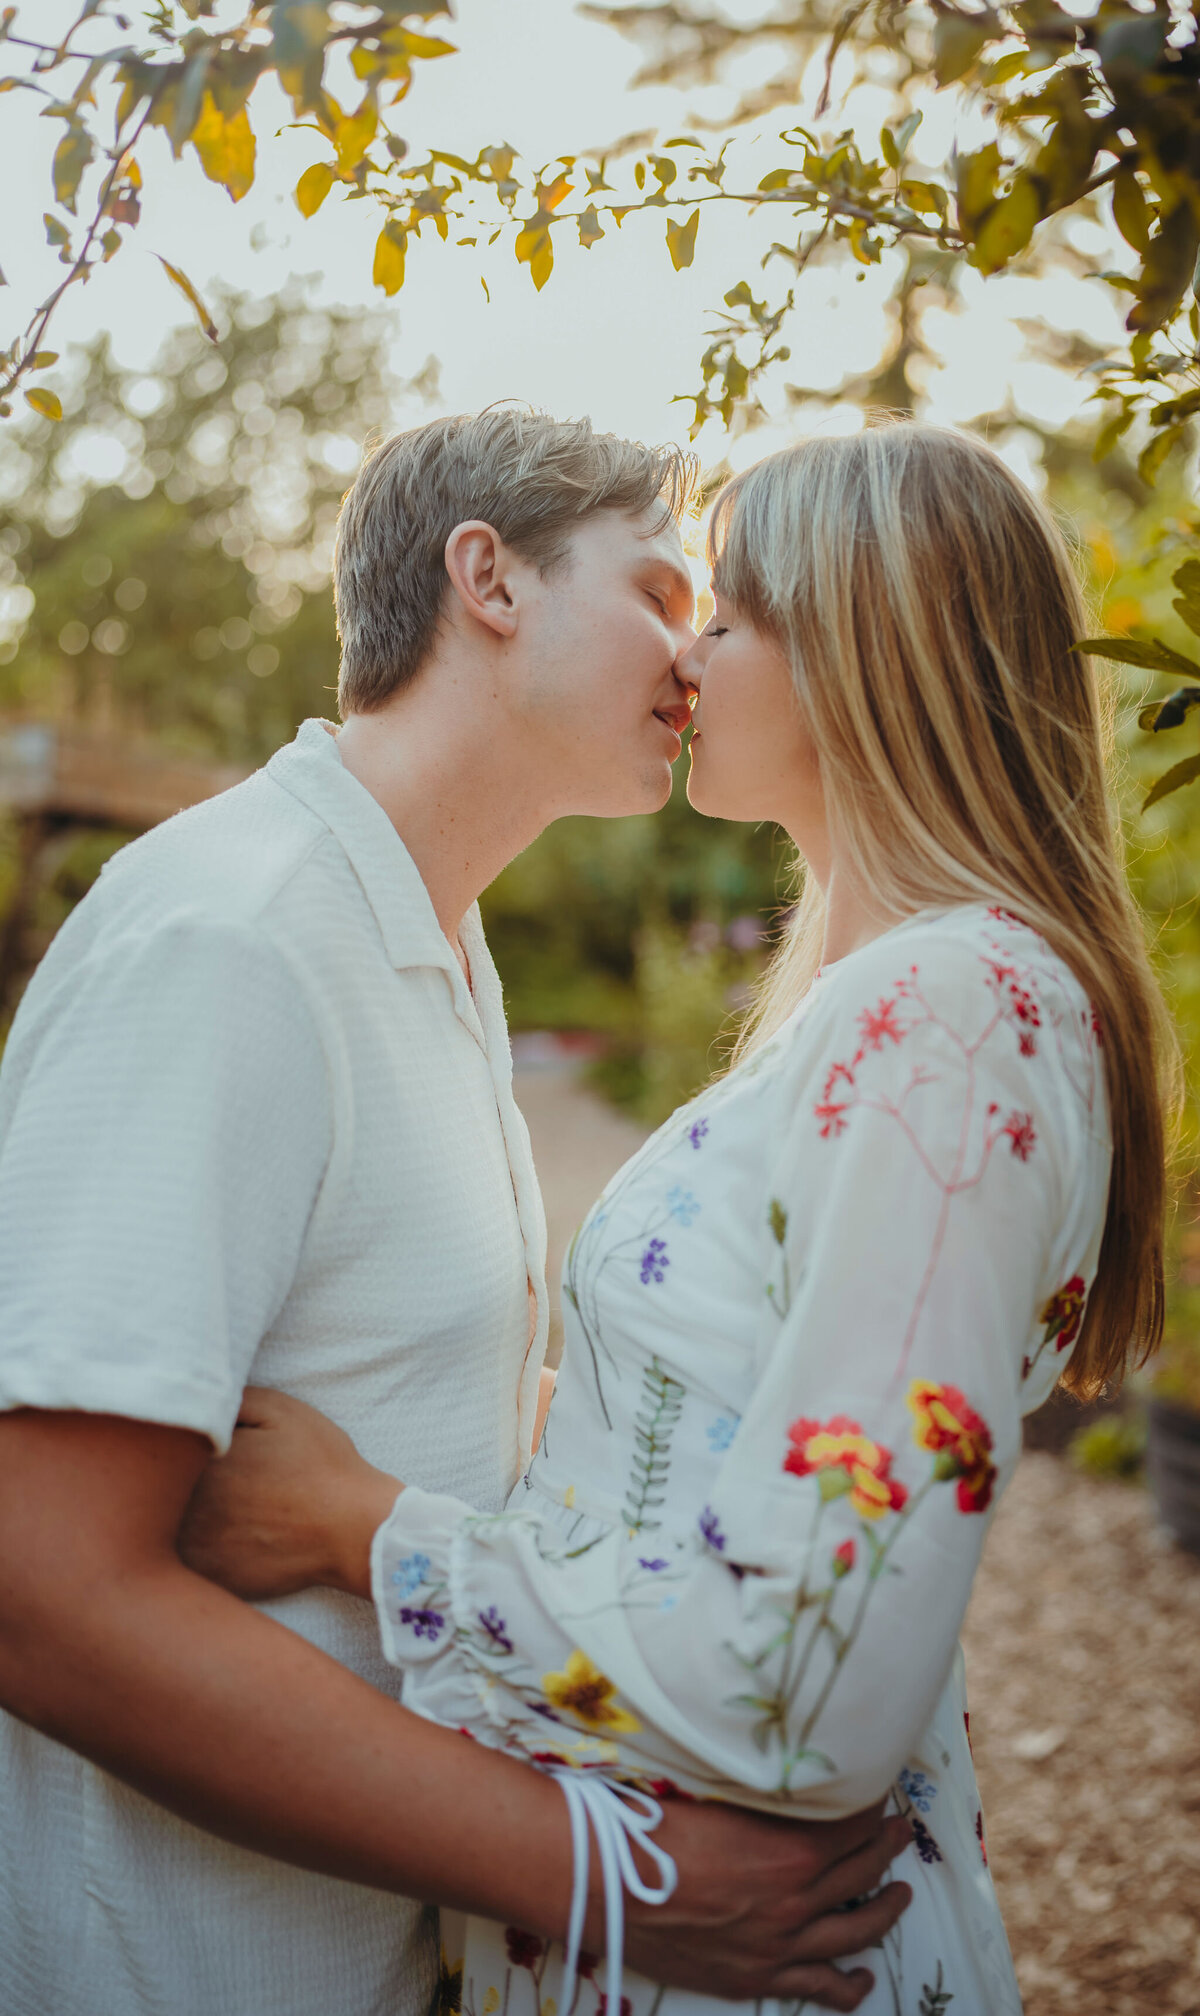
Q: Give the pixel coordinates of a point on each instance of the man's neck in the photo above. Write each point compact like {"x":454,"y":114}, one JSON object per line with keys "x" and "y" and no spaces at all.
{"x":460,"y":799}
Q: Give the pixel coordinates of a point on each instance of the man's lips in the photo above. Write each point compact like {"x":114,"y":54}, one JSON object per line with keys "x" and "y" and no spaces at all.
{"x":676,"y":718}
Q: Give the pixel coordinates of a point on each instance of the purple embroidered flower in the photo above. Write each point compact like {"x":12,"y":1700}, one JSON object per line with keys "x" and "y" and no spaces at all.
{"x":425,"y":1623}
{"x":544,"y":1708}
{"x":492,"y":1623}
{"x":710,"y":1528}
{"x":696,"y":1132}
{"x":653,"y":1566}
{"x":655,"y":1261}
{"x":923,"y":1840}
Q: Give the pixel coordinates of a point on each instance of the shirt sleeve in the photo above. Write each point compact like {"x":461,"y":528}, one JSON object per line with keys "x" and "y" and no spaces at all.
{"x":799,"y":1628}
{"x":168,"y":1126}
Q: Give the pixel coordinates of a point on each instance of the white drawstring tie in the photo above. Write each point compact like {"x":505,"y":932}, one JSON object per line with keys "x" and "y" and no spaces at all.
{"x":590,"y":1796}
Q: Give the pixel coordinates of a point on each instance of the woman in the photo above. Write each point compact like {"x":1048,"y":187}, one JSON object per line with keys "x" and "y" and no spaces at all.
{"x":803,"y":1323}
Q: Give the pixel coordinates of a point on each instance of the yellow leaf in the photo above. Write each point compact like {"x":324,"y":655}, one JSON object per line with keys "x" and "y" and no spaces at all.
{"x":533,"y":249}
{"x":225,"y":146}
{"x":388,"y":270}
{"x":313,"y":187}
{"x":353,"y":134}
{"x":681,"y":240}
{"x":179,"y":279}
{"x":491,"y":2002}
{"x":417,"y":45}
{"x":549,"y":199}
{"x":48,"y":404}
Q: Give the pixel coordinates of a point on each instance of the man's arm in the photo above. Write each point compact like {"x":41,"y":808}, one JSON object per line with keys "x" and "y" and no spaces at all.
{"x":110,"y":1645}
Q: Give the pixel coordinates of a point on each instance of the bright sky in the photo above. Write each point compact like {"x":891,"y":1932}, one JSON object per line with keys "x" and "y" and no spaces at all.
{"x":616,"y":332}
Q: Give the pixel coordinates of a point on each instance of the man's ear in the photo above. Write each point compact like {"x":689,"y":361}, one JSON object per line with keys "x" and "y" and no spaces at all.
{"x":481,"y":571}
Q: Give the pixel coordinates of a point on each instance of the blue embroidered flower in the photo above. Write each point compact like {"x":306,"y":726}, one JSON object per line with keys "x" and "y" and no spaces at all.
{"x":409,"y":1573}
{"x":918,"y":1788}
{"x":652,"y":1566}
{"x":923,"y":1840}
{"x":722,"y":1431}
{"x":683,"y":1204}
{"x":710,"y":1528}
{"x":492,"y":1623}
{"x":668,"y":1602}
{"x":655,"y":1261}
{"x":425,"y":1623}
{"x":696,"y":1132}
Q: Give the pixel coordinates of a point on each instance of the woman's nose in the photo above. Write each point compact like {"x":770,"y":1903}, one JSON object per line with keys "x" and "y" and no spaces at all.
{"x":687,"y":665}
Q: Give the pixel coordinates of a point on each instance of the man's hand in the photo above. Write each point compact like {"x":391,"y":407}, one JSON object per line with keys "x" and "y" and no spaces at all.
{"x":292,"y":1506}
{"x":760,"y":1909}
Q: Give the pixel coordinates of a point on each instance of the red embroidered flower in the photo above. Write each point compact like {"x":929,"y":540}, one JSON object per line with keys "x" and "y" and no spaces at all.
{"x":958,"y":1437}
{"x":666,"y":1788}
{"x":878,"y":1026}
{"x":524,"y":1948}
{"x":979,"y":1832}
{"x":843,"y":1558}
{"x":1020,"y":1131}
{"x":1097,"y":1024}
{"x":1063,"y":1313}
{"x":847,"y":1462}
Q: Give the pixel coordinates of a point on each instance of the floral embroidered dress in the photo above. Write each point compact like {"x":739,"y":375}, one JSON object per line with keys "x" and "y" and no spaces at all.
{"x":803,"y":1325}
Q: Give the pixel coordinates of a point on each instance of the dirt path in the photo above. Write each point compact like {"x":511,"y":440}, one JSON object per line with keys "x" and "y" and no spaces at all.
{"x":1083,"y":1655}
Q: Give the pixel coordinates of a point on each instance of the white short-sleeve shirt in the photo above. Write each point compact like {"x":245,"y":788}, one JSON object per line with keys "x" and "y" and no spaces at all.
{"x":255,"y":1127}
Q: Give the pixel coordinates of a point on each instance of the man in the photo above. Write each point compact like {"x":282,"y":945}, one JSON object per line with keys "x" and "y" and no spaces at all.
{"x":256,"y":1122}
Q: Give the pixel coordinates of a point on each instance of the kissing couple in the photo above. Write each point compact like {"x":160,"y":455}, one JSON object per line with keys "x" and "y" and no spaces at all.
{"x":647,"y":1675}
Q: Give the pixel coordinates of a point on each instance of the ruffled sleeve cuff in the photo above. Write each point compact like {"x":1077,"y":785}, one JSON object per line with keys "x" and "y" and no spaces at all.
{"x":410,"y":1575}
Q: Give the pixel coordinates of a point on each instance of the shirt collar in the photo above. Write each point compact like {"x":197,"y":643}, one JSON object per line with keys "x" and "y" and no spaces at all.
{"x":312,"y":770}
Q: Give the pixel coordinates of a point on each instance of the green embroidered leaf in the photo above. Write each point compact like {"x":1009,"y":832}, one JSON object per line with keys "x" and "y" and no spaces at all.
{"x":778,"y":1218}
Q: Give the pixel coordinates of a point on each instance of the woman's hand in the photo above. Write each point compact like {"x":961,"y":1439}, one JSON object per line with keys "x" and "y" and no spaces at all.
{"x":293,"y":1504}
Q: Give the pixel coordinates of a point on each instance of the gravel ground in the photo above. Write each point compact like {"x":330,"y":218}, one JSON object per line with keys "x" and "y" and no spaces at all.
{"x":1083,"y":1656}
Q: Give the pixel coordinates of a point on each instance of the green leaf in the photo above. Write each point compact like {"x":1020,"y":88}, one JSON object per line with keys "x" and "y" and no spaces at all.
{"x":48,"y":404}
{"x":1166,"y":270}
{"x":958,"y":41}
{"x":1007,"y":227}
{"x":1173,"y":780}
{"x":778,"y":1219}
{"x":1155,"y":453}
{"x":390,"y":246}
{"x":313,"y":187}
{"x":976,"y":175}
{"x":779,"y":178}
{"x":888,"y":147}
{"x":1151,"y":656}
{"x":1187,"y":604}
{"x":1131,"y":213}
{"x":179,"y":279}
{"x":43,"y":359}
{"x":906,"y":131}
{"x":681,"y":240}
{"x":1111,"y":432}
{"x":71,"y":157}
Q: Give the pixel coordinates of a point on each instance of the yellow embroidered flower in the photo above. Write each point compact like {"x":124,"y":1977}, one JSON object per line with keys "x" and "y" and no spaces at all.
{"x":587,"y":1693}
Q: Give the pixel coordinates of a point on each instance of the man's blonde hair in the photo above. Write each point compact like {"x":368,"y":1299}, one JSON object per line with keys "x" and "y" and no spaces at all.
{"x":928,"y":609}
{"x":532,"y":478}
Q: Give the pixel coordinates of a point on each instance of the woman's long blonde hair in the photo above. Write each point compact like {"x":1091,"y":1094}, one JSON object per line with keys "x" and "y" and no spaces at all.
{"x":927,"y":606}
